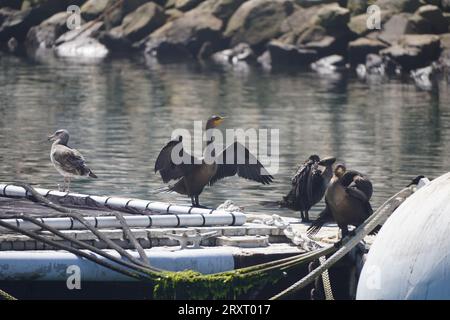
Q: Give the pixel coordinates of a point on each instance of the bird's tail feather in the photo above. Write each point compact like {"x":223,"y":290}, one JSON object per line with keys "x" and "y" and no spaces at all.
{"x":164,"y":189}
{"x":92,"y":174}
{"x":315,"y":227}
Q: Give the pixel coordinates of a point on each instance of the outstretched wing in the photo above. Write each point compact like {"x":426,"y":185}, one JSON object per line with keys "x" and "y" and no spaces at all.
{"x":236,"y":159}
{"x":170,"y":170}
{"x":70,"y":160}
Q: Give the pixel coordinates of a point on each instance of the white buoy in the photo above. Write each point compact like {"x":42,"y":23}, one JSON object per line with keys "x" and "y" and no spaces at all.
{"x":410,"y":256}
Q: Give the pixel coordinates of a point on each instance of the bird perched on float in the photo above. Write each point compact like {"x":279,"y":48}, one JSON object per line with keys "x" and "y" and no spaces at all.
{"x":196,"y":173}
{"x":308,"y":185}
{"x":347,"y":201}
{"x":68,"y":162}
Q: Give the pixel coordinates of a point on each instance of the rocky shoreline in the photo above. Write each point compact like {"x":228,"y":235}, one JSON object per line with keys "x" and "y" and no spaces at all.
{"x":330,"y":35}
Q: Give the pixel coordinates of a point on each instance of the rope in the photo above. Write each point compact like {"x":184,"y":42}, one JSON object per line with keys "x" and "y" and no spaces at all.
{"x":326,"y":281}
{"x":79,"y":217}
{"x":349,"y":242}
{"x":6,"y":296}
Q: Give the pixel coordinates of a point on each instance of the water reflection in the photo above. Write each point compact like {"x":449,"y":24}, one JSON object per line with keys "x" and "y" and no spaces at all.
{"x":121,"y":112}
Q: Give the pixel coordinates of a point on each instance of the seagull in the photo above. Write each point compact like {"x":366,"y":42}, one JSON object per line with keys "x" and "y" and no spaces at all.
{"x":67,"y":161}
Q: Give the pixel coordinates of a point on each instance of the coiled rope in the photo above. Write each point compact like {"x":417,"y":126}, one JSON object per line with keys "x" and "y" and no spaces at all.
{"x":348,"y":243}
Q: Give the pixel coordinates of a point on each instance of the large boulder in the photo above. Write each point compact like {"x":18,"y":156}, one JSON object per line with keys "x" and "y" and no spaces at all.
{"x":327,"y":32}
{"x":45,"y":34}
{"x":360,"y":48}
{"x":445,"y":46}
{"x":186,"y":35}
{"x":322,"y":29}
{"x":357,"y":7}
{"x":240,"y":53}
{"x":224,"y":9}
{"x":185,"y":5}
{"x":135,"y":26}
{"x":300,"y":20}
{"x":87,"y":30}
{"x":18,"y":23}
{"x":445,"y":5}
{"x":428,"y":19}
{"x":92,"y":9}
{"x":13,"y":4}
{"x":288,"y":54}
{"x":257,"y":21}
{"x":332,"y":16}
{"x":82,"y":48}
{"x":80,"y":43}
{"x":395,"y":27}
{"x":398,"y":6}
{"x":414,"y":51}
{"x":358,"y":23}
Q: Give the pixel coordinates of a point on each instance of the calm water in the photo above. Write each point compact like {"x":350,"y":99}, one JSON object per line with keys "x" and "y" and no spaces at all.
{"x":121,"y":112}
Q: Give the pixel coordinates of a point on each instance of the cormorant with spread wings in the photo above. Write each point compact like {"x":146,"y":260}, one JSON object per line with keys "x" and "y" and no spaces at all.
{"x":193,"y":174}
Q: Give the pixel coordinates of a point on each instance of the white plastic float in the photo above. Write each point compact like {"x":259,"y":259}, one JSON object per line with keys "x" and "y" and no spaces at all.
{"x":410,"y":256}
{"x":51,"y":265}
{"x":9,"y":190}
{"x":136,"y":221}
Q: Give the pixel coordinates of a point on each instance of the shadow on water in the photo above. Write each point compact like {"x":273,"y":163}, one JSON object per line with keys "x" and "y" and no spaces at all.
{"x":121,"y":112}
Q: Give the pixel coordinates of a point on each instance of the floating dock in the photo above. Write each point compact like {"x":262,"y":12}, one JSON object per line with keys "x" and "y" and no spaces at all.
{"x":43,"y":233}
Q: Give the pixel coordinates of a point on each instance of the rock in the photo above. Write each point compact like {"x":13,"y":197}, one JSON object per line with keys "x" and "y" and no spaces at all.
{"x":332,"y":16}
{"x":445,"y":5}
{"x":13,"y":4}
{"x":374,"y":66}
{"x":360,"y":48}
{"x":13,"y":45}
{"x":418,"y":25}
{"x":357,"y":7}
{"x":265,"y":60}
{"x":445,"y":53}
{"x":414,"y":51}
{"x":358,"y":24}
{"x":91,"y":9}
{"x":329,"y":65}
{"x":185,"y":5}
{"x":395,"y":28}
{"x":447,"y":18}
{"x":300,"y":20}
{"x":325,"y":42}
{"x":322,"y":29}
{"x":135,"y":26}
{"x":17,"y":23}
{"x":86,"y":30}
{"x":435,"y":18}
{"x":257,"y":21}
{"x":424,"y":77}
{"x":80,"y":43}
{"x":185,"y":35}
{"x":224,"y":9}
{"x":398,"y":6}
{"x":45,"y":34}
{"x":287,"y":54}
{"x":241,"y":52}
{"x":172,"y":14}
{"x":83,"y":47}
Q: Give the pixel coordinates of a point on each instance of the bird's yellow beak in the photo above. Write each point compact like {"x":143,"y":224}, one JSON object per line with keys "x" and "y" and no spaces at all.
{"x":218,"y":121}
